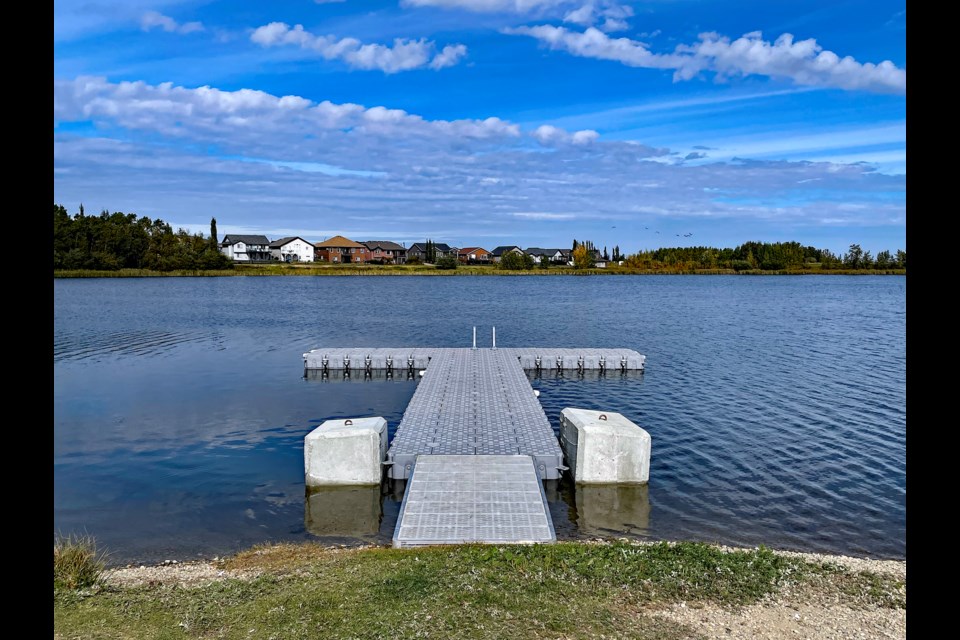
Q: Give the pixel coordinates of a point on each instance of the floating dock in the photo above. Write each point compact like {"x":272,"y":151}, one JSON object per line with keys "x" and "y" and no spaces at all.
{"x":474,"y":442}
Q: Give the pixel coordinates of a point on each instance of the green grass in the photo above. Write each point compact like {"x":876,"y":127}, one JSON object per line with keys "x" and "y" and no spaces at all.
{"x":77,"y":563}
{"x":565,"y":590}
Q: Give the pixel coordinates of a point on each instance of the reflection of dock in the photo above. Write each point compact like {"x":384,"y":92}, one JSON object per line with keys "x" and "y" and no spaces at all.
{"x":473,"y":417}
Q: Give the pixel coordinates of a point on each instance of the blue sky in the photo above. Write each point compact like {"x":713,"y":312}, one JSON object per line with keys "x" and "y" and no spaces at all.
{"x":490,"y":122}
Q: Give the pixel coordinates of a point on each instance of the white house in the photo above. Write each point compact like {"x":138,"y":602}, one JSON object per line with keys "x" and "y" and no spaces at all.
{"x":292,"y":249}
{"x":246,"y":248}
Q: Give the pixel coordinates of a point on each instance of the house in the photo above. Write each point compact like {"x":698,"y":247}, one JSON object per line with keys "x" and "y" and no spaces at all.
{"x":419,"y":250}
{"x":386,"y":252}
{"x":598,"y":260}
{"x":497,"y":253}
{"x":240,"y":248}
{"x":473,"y":255}
{"x":292,"y":249}
{"x":340,"y":249}
{"x":566,"y":256}
{"x":553,"y":256}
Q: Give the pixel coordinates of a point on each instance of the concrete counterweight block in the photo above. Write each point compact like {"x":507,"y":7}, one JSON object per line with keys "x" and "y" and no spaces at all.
{"x":345,"y":452}
{"x":603,"y":447}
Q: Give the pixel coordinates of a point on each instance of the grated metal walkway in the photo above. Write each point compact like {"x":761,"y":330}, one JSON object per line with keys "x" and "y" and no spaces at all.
{"x":461,"y":499}
{"x":474,"y":402}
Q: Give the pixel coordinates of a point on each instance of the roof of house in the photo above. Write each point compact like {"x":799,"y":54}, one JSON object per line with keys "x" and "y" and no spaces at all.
{"x":469,"y":250}
{"x":337,"y":242}
{"x":276,"y":244}
{"x":230,"y":239}
{"x":422,"y":246}
{"x":537,"y":251}
{"x":384,"y":244}
{"x":499,"y":251}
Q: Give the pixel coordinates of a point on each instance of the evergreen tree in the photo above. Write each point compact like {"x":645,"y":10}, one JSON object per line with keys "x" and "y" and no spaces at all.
{"x":213,"y":233}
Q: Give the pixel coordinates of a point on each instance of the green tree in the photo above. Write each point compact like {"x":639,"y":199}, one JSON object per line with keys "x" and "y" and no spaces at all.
{"x":884,"y":260}
{"x":901,"y":259}
{"x":853,"y":258}
{"x":214,"y":242}
{"x":447,"y":262}
{"x":513,"y":261}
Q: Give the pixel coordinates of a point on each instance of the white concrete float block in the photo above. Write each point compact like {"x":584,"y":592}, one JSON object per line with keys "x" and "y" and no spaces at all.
{"x":345,"y":452}
{"x":603,"y":447}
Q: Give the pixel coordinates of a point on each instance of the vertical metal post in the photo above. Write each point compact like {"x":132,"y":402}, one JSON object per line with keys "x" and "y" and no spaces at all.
{"x":474,"y":338}
{"x":494,"y":337}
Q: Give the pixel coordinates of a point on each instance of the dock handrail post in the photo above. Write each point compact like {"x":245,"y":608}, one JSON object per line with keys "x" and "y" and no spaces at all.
{"x":474,"y":338}
{"x":494,"y":337}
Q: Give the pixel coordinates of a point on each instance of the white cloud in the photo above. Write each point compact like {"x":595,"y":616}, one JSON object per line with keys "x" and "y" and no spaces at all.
{"x":206,"y":112}
{"x":550,"y":135}
{"x":611,"y":14}
{"x":514,"y":6}
{"x":538,"y":215}
{"x":404,"y":55}
{"x":583,"y":16}
{"x":804,"y":62}
{"x":156,"y":20}
{"x":293,"y":163}
{"x":449,"y":56}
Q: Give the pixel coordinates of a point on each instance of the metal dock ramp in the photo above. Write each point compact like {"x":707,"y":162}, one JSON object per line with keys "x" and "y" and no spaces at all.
{"x":454,"y":499}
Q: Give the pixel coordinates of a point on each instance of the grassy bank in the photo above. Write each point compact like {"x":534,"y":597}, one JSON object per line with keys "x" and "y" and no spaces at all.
{"x":566,"y":590}
{"x":316,"y":269}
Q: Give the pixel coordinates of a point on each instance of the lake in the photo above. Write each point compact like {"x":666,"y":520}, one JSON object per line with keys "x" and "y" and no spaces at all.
{"x":776,"y":404}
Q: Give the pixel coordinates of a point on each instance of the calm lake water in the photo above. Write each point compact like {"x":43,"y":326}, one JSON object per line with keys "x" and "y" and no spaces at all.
{"x":776,"y":405}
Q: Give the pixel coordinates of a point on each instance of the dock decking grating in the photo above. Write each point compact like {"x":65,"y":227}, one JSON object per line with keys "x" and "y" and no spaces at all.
{"x":453,"y":499}
{"x":474,"y":402}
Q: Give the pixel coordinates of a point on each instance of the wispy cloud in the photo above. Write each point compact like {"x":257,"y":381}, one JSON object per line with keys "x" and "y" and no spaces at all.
{"x":803,"y":62}
{"x":404,"y":55}
{"x":156,"y":20}
{"x":539,"y":215}
{"x":397,"y":173}
{"x":607,"y":15}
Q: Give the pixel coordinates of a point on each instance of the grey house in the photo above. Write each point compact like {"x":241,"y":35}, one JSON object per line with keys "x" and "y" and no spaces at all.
{"x":242,"y":248}
{"x":497,"y":253}
{"x":419,"y":250}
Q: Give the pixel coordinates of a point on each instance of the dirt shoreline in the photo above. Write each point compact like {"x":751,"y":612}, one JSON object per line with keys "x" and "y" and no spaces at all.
{"x":806,"y":612}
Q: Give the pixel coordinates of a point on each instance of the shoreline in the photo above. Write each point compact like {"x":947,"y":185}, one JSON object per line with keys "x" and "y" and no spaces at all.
{"x":398,"y":271}
{"x":204,"y":571}
{"x":587,"y":589}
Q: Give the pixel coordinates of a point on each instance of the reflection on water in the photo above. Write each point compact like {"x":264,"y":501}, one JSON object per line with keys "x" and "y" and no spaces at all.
{"x":343,"y":511}
{"x":605,"y":510}
{"x":359,"y":375}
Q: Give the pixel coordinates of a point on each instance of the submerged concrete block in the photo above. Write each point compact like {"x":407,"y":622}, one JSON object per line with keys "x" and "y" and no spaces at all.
{"x":343,"y":511}
{"x":603,"y":447}
{"x":607,"y":508}
{"x":345,"y":452}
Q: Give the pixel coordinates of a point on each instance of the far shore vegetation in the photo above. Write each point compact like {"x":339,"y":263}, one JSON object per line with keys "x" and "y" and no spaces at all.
{"x":125,"y":246}
{"x":562,"y":590}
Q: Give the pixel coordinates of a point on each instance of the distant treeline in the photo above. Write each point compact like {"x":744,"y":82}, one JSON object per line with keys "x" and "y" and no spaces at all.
{"x":764,"y":256}
{"x":112,"y":241}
